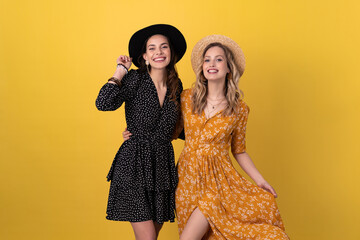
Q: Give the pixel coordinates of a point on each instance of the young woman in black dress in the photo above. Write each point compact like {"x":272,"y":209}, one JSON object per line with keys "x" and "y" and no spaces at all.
{"x":143,"y":176}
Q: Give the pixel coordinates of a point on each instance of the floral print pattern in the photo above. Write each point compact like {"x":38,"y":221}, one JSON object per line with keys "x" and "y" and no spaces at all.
{"x":234,"y":207}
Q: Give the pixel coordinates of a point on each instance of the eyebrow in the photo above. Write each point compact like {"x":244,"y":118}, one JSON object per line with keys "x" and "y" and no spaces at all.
{"x":215,"y":56}
{"x":160,"y":44}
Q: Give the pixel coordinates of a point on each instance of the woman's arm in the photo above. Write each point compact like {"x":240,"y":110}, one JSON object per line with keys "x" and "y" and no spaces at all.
{"x":112,"y":94}
{"x":248,"y":166}
{"x":120,"y":70}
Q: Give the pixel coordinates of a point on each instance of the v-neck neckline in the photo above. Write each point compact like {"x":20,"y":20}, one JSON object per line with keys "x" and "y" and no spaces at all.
{"x":157,"y":94}
{"x":217,"y":113}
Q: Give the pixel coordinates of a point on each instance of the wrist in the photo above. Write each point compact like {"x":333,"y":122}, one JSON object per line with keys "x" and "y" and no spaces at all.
{"x":123,"y":67}
{"x":119,"y":73}
{"x":259,"y":181}
{"x":115,"y":80}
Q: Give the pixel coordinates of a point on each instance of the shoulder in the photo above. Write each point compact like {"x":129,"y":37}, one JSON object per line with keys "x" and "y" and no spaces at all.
{"x":132,"y":74}
{"x":136,"y":74}
{"x":186,"y":92}
{"x":186,"y":95}
{"x":242,"y":107}
{"x":132,"y":78}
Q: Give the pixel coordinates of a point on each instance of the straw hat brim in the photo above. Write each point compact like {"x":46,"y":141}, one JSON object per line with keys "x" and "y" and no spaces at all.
{"x":198,"y":51}
{"x":138,"y":39}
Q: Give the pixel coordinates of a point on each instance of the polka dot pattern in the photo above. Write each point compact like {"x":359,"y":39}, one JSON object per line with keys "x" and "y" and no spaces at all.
{"x":143,"y":175}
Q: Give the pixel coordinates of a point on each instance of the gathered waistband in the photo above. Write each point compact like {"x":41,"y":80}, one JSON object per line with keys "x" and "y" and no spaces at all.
{"x":149,"y":137}
{"x":207,"y":148}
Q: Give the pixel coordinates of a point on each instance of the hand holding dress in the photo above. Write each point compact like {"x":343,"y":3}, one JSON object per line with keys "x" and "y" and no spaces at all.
{"x":234,"y":207}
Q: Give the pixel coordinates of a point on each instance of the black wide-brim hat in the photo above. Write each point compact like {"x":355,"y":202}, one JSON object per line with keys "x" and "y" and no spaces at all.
{"x":138,"y":39}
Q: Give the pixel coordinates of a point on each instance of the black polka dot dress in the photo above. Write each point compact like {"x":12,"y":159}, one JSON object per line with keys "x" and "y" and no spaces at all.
{"x":143,"y":175}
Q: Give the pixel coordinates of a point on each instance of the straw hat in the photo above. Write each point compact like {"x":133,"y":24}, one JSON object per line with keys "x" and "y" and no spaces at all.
{"x":172,"y":33}
{"x":198,"y":51}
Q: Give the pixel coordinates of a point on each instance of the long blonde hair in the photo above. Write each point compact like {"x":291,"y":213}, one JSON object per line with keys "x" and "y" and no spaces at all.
{"x":232,"y":92}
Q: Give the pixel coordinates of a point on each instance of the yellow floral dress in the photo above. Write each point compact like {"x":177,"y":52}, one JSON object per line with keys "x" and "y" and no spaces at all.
{"x":234,"y":207}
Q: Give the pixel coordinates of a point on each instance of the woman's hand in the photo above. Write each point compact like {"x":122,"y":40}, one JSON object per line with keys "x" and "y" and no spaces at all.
{"x":120,"y":71}
{"x":126,"y":134}
{"x":125,"y":60}
{"x":267,"y":187}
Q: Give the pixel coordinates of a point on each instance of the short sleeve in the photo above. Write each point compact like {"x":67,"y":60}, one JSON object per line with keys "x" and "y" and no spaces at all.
{"x":112,"y":96}
{"x":238,"y":143}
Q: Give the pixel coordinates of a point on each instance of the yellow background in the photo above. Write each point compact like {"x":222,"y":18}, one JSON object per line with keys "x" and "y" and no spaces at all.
{"x":301,"y":83}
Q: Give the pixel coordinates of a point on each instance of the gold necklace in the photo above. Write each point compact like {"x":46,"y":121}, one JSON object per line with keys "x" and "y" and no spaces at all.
{"x":214,"y":107}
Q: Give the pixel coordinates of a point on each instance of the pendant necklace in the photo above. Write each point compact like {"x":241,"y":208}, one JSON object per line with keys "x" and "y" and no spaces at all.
{"x":213,"y":107}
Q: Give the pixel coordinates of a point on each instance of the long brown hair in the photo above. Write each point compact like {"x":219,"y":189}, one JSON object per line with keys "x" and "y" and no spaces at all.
{"x":172,"y":81}
{"x":231,"y":90}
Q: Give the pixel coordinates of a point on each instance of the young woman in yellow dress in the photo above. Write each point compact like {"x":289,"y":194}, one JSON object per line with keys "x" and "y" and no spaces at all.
{"x":213,"y":201}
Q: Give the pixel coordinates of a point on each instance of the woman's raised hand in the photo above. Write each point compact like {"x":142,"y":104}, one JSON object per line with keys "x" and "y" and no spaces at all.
{"x":125,"y":60}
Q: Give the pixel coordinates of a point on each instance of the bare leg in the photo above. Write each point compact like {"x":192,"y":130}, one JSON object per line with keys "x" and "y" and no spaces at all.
{"x":196,"y":227}
{"x":157,"y":228}
{"x":147,"y":230}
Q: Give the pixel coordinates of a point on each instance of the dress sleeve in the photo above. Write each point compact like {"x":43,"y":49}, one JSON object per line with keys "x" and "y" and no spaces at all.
{"x":112,"y":96}
{"x":238,"y":143}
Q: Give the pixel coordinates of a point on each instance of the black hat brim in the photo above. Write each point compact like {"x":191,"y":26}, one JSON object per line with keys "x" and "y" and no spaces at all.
{"x":138,"y":39}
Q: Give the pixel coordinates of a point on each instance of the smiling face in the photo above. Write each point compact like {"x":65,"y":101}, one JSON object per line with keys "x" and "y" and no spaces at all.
{"x":157,"y":51}
{"x":215,"y":65}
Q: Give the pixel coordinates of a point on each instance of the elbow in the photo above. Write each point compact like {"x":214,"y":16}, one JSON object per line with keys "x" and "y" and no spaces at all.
{"x":238,"y":153}
{"x":100,"y":106}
